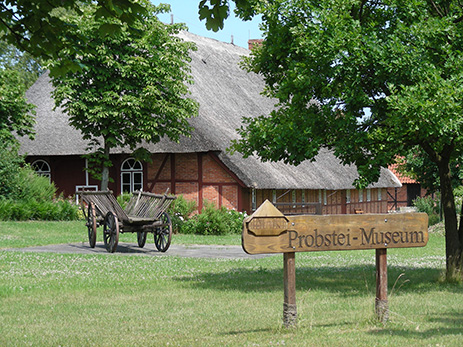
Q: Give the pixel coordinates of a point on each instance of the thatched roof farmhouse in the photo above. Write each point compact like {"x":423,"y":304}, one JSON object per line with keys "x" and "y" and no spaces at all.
{"x":199,"y":167}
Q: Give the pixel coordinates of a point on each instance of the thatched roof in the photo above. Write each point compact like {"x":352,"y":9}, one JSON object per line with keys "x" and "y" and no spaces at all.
{"x":225,"y":93}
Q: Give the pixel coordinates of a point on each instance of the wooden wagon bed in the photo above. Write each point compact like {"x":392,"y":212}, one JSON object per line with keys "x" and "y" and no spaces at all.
{"x":145,"y":212}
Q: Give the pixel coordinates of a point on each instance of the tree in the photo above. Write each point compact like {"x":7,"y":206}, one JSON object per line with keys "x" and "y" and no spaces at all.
{"x":416,"y":164}
{"x":17,"y":72}
{"x":11,"y":58}
{"x":39,"y":28}
{"x":132,"y":89}
{"x":15,"y":112}
{"x":216,"y":11}
{"x":367,"y":79}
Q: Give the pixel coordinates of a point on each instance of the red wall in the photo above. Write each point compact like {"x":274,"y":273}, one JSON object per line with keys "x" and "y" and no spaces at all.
{"x":197,"y":176}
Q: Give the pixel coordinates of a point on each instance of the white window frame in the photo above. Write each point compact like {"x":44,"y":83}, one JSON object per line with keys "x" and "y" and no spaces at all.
{"x":131,"y":172}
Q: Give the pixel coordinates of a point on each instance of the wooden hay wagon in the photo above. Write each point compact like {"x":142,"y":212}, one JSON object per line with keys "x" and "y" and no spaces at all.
{"x":145,"y":213}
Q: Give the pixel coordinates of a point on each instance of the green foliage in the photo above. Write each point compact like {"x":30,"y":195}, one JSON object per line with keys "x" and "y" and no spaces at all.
{"x":15,"y":112}
{"x":27,"y":196}
{"x":132,"y":89}
{"x":215,"y":12}
{"x":34,"y":187}
{"x":23,"y":210}
{"x":430,"y":206}
{"x":124,"y":199}
{"x":11,"y":58}
{"x":368,"y":80}
{"x":213,"y":221}
{"x":39,"y":28}
{"x":10,"y":168}
{"x":180,"y":211}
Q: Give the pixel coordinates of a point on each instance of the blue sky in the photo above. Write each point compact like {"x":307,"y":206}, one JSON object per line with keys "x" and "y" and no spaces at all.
{"x":186,"y":11}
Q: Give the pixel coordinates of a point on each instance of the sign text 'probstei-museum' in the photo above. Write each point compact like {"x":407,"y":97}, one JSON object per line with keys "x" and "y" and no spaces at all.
{"x":269,"y":231}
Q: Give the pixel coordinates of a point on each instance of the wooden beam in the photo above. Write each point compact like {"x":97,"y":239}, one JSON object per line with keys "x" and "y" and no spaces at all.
{"x":289,"y":305}
{"x":381,"y":303}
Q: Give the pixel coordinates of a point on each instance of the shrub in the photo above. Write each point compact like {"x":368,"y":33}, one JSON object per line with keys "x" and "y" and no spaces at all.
{"x":180,"y":211}
{"x":430,"y":206}
{"x":34,"y":187}
{"x":22,"y":210}
{"x":10,"y":166}
{"x":213,"y":221}
{"x":26,"y":196}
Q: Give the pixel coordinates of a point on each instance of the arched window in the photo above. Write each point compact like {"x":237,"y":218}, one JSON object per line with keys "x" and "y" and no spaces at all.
{"x":42,"y":168}
{"x":131,"y":176}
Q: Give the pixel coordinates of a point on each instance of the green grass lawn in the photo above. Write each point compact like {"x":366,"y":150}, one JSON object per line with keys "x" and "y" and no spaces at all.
{"x":124,"y":300}
{"x":27,"y":234}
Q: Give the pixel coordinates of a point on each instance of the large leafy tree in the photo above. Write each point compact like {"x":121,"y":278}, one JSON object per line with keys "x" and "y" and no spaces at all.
{"x":40,"y":29}
{"x":133,"y":85}
{"x":368,"y":79}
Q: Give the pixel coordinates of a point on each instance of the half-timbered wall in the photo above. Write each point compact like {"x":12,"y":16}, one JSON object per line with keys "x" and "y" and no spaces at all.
{"x":329,"y":201}
{"x":203,"y":177}
{"x":199,"y":177}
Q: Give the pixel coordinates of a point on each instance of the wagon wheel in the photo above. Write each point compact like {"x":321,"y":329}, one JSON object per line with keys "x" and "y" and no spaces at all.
{"x":141,"y":238}
{"x":111,"y":232}
{"x":91,"y":224}
{"x":163,"y":234}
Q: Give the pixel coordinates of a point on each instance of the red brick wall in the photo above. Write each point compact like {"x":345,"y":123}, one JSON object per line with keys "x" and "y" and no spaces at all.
{"x":197,"y":176}
{"x":213,"y":172}
{"x":186,"y":167}
{"x":230,"y":196}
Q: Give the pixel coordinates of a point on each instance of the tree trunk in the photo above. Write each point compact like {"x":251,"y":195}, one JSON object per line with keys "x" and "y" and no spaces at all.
{"x":105,"y":169}
{"x":453,"y":248}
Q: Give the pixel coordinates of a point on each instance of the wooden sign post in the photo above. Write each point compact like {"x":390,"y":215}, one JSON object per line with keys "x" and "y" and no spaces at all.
{"x":267,"y":230}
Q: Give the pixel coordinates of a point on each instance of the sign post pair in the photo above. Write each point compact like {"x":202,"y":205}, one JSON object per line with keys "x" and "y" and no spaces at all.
{"x":267,"y":230}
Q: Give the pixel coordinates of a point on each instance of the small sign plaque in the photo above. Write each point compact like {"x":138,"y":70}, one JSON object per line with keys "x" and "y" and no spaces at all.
{"x":267,"y":220}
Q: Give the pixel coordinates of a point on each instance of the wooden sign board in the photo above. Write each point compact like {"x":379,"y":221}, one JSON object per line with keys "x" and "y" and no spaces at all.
{"x":267,"y":230}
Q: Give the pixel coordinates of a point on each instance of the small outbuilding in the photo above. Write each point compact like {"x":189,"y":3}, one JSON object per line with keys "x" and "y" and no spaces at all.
{"x":199,"y":167}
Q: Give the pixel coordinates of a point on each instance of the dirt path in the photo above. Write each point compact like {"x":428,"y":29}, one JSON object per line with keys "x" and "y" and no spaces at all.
{"x":193,"y":251}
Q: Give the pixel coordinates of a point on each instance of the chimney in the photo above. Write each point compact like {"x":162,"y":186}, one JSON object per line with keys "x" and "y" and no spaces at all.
{"x":254,"y":42}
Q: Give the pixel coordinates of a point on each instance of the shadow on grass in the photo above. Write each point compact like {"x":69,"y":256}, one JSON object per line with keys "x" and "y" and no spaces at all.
{"x":347,"y":281}
{"x":450,"y":323}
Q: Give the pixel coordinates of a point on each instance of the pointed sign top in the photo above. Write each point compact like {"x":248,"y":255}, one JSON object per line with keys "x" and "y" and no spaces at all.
{"x":267,"y":209}
{"x":267,"y":220}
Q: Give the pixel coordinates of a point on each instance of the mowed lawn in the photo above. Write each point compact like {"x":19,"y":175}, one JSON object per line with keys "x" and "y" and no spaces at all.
{"x":132,"y":300}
